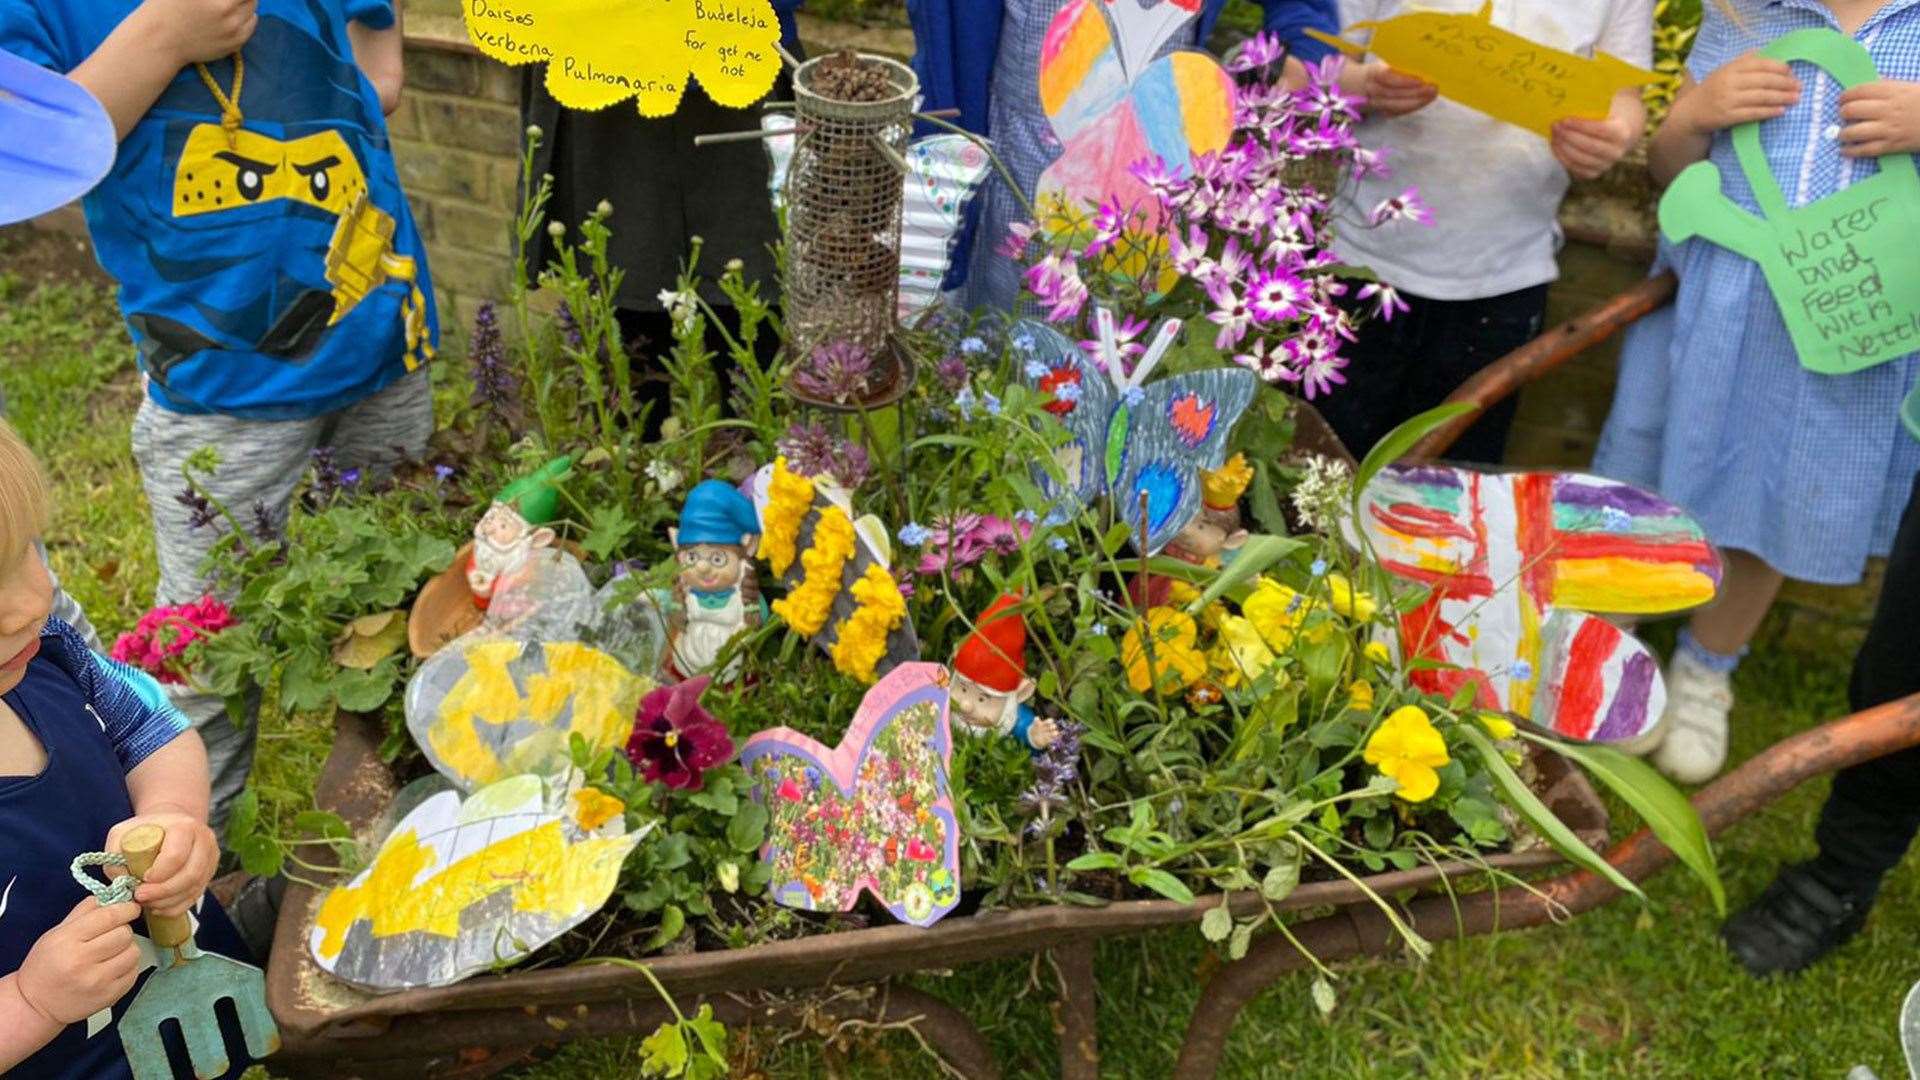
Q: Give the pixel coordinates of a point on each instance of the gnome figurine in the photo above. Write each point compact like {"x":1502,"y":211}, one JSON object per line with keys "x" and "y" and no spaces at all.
{"x":716,"y":594}
{"x":1211,"y":539}
{"x":990,"y":689}
{"x":513,"y":529}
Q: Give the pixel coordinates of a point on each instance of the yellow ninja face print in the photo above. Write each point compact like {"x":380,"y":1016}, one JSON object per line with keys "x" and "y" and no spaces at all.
{"x":218,"y":171}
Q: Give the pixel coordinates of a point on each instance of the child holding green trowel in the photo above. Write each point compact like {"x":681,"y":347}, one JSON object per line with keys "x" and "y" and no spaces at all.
{"x":89,"y":750}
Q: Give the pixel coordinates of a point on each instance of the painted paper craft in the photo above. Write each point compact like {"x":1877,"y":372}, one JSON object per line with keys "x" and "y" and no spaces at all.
{"x":460,"y":888}
{"x":1130,"y":439}
{"x":59,"y":140}
{"x":943,"y":173}
{"x":874,"y":813}
{"x":1845,"y":270}
{"x":1519,"y":565}
{"x":1113,"y":104}
{"x":1496,"y":71}
{"x":602,"y":52}
{"x":840,"y":592}
{"x":485,"y":708}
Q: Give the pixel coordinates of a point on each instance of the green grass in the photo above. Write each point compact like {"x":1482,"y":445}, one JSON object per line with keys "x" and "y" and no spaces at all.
{"x":1623,"y":992}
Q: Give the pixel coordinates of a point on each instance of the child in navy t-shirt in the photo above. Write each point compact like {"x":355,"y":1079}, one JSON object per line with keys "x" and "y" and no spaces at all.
{"x":88,"y":750}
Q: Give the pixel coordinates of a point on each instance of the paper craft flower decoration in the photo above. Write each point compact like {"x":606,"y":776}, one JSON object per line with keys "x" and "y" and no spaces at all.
{"x":1408,"y":748}
{"x":459,"y":888}
{"x":1515,"y":564}
{"x":1162,"y":654}
{"x":873,"y":813}
{"x":674,"y":740}
{"x":489,"y":708}
{"x":602,"y":52}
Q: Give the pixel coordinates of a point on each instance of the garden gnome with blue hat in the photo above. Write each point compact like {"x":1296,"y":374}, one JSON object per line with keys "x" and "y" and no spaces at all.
{"x":716,"y":595}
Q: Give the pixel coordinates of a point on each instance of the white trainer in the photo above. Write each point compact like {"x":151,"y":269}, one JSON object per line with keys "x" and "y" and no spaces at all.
{"x":1694,"y":749}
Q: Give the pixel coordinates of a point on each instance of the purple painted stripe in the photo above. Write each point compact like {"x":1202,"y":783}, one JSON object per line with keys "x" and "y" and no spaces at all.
{"x":1627,"y":716}
{"x":1437,"y":475}
{"x":1619,"y":496}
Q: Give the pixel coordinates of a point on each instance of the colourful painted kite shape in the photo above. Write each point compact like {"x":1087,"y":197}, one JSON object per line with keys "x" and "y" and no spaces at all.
{"x":1494,"y":70}
{"x":486,"y":708}
{"x":1114,"y":105}
{"x":1132,"y":438}
{"x":601,"y":52}
{"x":460,"y":888}
{"x":56,"y":142}
{"x":1515,"y":564}
{"x":874,"y":813}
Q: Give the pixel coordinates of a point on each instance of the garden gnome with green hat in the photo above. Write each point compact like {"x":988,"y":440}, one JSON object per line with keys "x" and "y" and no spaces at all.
{"x":514,"y":527}
{"x":715,"y":595}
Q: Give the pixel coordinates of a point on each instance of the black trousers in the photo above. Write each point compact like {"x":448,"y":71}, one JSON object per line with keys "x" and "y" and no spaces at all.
{"x":1400,"y":369}
{"x":1874,"y":811}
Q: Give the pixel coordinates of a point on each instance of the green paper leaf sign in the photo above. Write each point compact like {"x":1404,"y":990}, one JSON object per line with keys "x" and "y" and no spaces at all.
{"x":1845,"y":269}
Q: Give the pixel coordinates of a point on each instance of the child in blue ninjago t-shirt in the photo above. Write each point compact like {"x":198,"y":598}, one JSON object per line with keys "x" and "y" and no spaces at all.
{"x":88,"y":750}
{"x":269,"y":269}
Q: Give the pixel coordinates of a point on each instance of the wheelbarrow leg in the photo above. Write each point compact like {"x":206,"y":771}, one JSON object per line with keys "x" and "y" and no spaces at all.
{"x":1074,"y":1013}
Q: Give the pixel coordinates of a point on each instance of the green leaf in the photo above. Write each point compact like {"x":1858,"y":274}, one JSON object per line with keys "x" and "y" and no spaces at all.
{"x":748,"y":829}
{"x":1281,"y":879}
{"x":664,"y":1053}
{"x":1254,"y":557}
{"x":322,"y":823}
{"x":259,"y":855}
{"x":1528,"y":805}
{"x":1665,"y":810}
{"x":608,"y":527}
{"x":672,"y":922}
{"x":365,"y":691}
{"x":1160,"y":881}
{"x":1401,"y":439}
{"x":1323,"y":998}
{"x":1217,"y":923}
{"x":1241,"y":939}
{"x":711,"y":1033}
{"x":243,"y":817}
{"x":1095,"y":860}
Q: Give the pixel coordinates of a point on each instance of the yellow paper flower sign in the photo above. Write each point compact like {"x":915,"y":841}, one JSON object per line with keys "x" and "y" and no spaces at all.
{"x":602,"y":52}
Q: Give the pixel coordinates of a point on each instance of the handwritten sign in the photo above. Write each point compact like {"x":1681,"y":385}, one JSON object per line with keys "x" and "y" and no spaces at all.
{"x":1845,"y":269}
{"x":602,"y":52}
{"x":1496,"y":71}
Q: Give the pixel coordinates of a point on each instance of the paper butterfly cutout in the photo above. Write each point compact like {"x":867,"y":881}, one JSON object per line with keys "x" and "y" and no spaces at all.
{"x":1514,"y":563}
{"x":943,"y":173}
{"x":1113,"y":104}
{"x":459,"y":888}
{"x":1494,"y":70}
{"x":60,"y":141}
{"x":874,"y":813}
{"x":602,"y":52}
{"x":1130,"y":438}
{"x":485,"y":708}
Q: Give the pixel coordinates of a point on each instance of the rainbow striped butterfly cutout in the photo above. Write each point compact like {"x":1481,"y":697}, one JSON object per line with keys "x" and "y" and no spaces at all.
{"x":873,"y":814}
{"x":1519,"y":566}
{"x":1114,"y":101}
{"x":1131,"y":439}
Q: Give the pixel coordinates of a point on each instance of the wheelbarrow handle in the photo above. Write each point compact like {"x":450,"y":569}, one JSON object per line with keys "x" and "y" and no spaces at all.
{"x":141,"y":845}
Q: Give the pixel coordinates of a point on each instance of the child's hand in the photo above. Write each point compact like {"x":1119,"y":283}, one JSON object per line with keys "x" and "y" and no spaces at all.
{"x":1882,"y":118}
{"x":1393,"y":93}
{"x":197,"y":31}
{"x":1752,"y":88}
{"x":182,"y":868}
{"x":83,"y":965}
{"x":1588,"y":148}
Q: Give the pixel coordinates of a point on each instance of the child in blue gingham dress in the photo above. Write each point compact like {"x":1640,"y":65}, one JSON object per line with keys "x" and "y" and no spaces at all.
{"x":1794,"y":474}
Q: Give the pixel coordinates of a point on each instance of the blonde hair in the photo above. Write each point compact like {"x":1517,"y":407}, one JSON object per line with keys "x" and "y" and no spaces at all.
{"x":23,"y":497}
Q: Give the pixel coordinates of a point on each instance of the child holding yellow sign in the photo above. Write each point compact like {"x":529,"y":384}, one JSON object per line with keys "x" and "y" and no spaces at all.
{"x":1795,"y":472}
{"x":1471,"y":288}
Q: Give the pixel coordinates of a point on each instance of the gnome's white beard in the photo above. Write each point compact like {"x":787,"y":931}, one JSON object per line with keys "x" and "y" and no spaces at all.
{"x":491,"y":561}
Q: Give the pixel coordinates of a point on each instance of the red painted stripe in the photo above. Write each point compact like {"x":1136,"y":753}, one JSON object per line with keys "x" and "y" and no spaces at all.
{"x":1583,"y":687}
{"x":1456,"y":584}
{"x":1535,"y":535}
{"x":1607,"y":545}
{"x":1419,"y":521}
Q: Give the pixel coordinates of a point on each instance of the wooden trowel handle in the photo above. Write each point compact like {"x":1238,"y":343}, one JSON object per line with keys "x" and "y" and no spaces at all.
{"x":140,"y":846}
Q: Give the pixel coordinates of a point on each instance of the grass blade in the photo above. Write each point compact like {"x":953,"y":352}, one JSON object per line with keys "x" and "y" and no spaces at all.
{"x":1258,"y":553}
{"x":1661,"y":805}
{"x":1528,"y":805}
{"x":1401,"y":439}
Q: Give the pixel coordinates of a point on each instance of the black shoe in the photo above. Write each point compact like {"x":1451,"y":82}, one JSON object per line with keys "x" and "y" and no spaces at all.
{"x":254,"y":910}
{"x":1800,"y":918}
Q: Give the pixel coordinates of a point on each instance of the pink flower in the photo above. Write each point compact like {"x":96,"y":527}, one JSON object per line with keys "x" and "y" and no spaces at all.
{"x":1262,"y":50}
{"x":674,"y":740}
{"x":1388,"y":302}
{"x":1014,"y":244}
{"x":160,"y":639}
{"x":1276,"y":297}
{"x":1267,"y":362}
{"x":1126,"y":336}
{"x":1407,"y":206}
{"x":1230,"y":313}
{"x":957,"y":543}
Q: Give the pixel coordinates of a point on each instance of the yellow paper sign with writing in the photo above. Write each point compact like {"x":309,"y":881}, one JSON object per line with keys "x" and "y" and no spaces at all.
{"x":1496,"y":71}
{"x":602,"y":52}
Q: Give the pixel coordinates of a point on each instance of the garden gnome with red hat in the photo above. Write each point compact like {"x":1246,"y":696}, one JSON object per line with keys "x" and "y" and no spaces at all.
{"x":990,"y":689}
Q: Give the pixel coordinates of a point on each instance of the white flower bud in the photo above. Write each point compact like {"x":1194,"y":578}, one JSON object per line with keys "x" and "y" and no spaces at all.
{"x":556,"y":230}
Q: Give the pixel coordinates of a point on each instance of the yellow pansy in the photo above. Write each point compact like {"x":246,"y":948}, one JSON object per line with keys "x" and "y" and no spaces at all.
{"x":1240,"y":656}
{"x":1360,"y":696}
{"x":1497,"y":726}
{"x":593,"y":808}
{"x":1276,"y":612}
{"x":1409,"y":749}
{"x":1175,"y":663}
{"x":1349,"y":601}
{"x":1378,"y":652}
